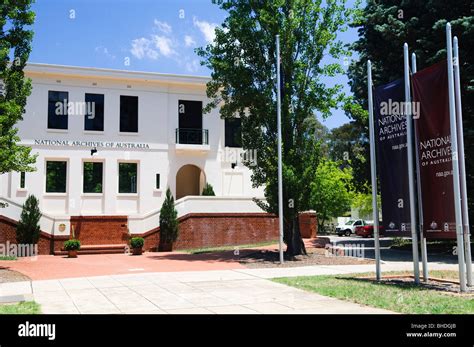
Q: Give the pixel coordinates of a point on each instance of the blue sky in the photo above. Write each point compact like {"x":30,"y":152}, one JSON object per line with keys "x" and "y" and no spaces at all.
{"x":141,"y":35}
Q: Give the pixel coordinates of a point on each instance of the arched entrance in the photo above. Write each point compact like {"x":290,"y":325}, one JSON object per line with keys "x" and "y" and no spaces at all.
{"x":190,"y":180}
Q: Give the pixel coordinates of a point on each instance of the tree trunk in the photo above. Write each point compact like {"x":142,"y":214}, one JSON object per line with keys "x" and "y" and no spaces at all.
{"x":294,"y":241}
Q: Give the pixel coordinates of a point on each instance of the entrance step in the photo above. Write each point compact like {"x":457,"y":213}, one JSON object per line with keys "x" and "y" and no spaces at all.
{"x":97,"y":249}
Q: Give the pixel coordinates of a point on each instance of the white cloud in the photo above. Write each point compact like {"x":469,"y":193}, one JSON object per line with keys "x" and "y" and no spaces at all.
{"x":192,"y":66}
{"x":142,"y":48}
{"x":164,"y":45}
{"x":189,"y":41}
{"x":103,"y":50}
{"x":206,"y":28}
{"x":163,"y":26}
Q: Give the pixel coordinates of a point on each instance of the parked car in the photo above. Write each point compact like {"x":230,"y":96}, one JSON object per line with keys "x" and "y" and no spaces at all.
{"x":349,"y":228}
{"x":368,"y":230}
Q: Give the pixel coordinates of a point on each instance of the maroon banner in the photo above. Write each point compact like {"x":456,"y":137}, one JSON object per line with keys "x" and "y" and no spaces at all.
{"x":433,"y":139}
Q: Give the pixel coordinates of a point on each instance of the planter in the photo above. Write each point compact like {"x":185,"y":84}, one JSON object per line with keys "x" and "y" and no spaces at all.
{"x":72,"y":253}
{"x":137,"y":251}
{"x":165,"y":247}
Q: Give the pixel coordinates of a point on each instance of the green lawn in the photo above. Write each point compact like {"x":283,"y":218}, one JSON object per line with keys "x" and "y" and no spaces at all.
{"x":8,"y":257}
{"x":227,"y":248}
{"x":403,"y":299}
{"x":27,"y":307}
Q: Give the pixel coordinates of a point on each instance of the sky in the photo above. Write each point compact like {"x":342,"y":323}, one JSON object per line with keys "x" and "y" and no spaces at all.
{"x":138,"y":35}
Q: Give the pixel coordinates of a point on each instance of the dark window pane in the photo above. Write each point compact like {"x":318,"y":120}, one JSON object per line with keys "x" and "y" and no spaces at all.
{"x":129,"y":114}
{"x":56,"y":176}
{"x":22,"y":179}
{"x":233,"y":132}
{"x":157,"y":181}
{"x":127,"y":177}
{"x":92,"y":178}
{"x":57,"y":110}
{"x":190,"y":122}
{"x":94,"y":116}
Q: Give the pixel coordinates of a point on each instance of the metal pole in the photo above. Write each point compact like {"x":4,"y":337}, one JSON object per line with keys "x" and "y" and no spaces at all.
{"x":280,"y":174}
{"x":462,"y":165}
{"x":424,"y":249}
{"x":454,"y":150}
{"x":373,"y":172}
{"x":411,"y":170}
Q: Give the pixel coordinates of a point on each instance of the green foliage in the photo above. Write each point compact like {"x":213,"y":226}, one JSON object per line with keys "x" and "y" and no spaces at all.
{"x":331,"y":191}
{"x":28,"y":229}
{"x":363,"y":202}
{"x":243,"y":60}
{"x":137,"y":242}
{"x":383,"y":28}
{"x":72,"y":245}
{"x":15,"y":44}
{"x":168,"y":219}
{"x":208,"y":190}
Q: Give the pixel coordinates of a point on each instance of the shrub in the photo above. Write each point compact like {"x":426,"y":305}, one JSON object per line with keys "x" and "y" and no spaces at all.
{"x":137,"y":242}
{"x":168,"y":219}
{"x":72,"y":245}
{"x":28,"y":229}
{"x":208,"y":190}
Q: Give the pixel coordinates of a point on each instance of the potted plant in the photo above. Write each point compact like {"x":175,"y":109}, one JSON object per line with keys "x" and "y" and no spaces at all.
{"x":168,"y":224}
{"x":72,"y":246}
{"x":136,"y":243}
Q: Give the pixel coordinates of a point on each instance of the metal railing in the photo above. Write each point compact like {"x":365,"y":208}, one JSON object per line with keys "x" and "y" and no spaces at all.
{"x":187,"y":136}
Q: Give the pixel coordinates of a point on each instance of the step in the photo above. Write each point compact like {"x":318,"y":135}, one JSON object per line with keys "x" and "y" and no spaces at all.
{"x":97,"y":249}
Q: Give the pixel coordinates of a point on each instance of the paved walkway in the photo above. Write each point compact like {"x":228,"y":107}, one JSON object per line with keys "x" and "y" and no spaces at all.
{"x":221,"y":291}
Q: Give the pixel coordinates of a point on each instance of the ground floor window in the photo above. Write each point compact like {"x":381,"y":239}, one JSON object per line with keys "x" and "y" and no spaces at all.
{"x":128,"y":177}
{"x":93,"y":175}
{"x":56,"y":172}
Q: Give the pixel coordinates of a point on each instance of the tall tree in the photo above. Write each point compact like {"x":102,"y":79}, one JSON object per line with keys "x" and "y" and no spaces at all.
{"x":15,"y":48}
{"x":242,"y":59}
{"x":384,"y":25}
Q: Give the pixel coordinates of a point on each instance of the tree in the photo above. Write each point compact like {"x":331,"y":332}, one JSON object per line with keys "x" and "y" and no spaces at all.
{"x":28,"y":229}
{"x":242,"y":59}
{"x":331,"y":191}
{"x":168,"y":220}
{"x":208,"y":190}
{"x":384,"y":25}
{"x":15,"y":42}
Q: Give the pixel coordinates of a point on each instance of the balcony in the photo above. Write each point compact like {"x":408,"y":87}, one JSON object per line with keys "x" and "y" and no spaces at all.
{"x":192,"y":140}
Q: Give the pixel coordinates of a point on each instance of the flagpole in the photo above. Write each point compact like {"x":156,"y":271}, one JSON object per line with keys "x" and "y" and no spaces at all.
{"x":454,"y":152}
{"x":280,"y":174}
{"x":411,"y":170}
{"x":373,"y":172}
{"x":424,"y":249}
{"x":462,"y":165}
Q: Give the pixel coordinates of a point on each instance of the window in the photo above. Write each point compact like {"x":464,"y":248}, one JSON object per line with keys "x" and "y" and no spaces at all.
{"x":128,"y":177}
{"x":157,"y":183}
{"x":94,"y":116}
{"x":56,"y":176}
{"x":22,"y":180}
{"x":233,"y":132}
{"x":57,"y":110}
{"x":129,"y":114}
{"x":92,"y":177}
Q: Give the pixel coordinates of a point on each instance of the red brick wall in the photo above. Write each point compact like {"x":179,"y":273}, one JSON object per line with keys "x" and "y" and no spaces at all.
{"x":100,"y":230}
{"x":308,"y":225}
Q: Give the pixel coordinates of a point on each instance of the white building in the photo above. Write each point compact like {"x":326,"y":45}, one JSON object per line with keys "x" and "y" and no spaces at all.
{"x":110,"y":142}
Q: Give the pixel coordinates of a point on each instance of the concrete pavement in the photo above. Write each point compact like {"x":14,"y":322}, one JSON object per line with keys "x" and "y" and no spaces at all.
{"x":193,"y":292}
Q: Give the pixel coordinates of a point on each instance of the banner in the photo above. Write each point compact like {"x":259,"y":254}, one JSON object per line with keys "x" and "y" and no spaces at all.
{"x":391,"y":144}
{"x":432,"y":128}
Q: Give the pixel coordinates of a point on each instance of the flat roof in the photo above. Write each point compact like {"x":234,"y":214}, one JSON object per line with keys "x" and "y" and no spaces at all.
{"x":103,"y":73}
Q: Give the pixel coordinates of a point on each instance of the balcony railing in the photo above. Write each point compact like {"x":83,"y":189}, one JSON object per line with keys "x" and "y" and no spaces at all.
{"x":186,"y":136}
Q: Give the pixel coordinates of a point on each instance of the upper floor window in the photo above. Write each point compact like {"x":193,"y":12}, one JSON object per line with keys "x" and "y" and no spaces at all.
{"x":128,"y":114}
{"x":233,"y":132}
{"x":22,"y":180}
{"x":57,"y":110}
{"x":94,"y":115}
{"x":56,"y":173}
